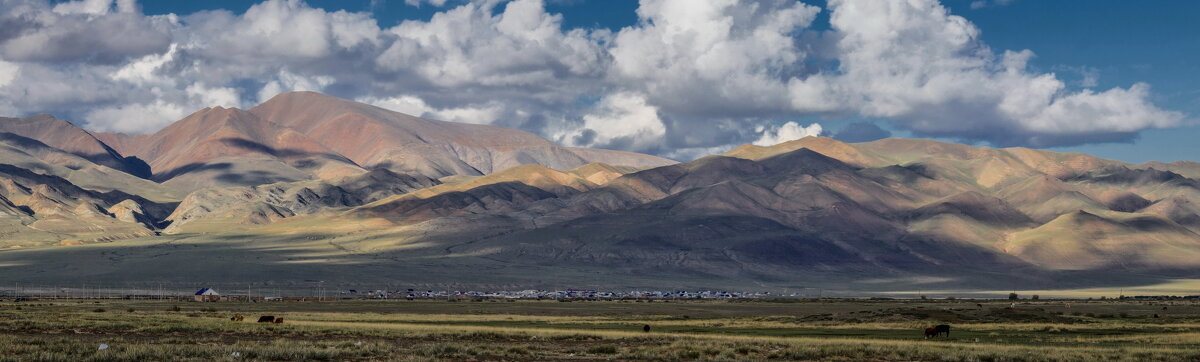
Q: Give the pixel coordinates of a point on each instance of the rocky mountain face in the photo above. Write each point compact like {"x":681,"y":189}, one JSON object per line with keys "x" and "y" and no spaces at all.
{"x":38,"y":209}
{"x":310,"y":136}
{"x":67,"y":137}
{"x":232,"y":147}
{"x":893,"y":207}
{"x":377,"y":138}
{"x":363,"y":187}
{"x":285,"y":158}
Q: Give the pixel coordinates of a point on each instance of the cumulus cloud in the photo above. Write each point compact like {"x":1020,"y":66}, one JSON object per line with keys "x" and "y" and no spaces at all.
{"x":787,"y":132}
{"x":720,"y":58}
{"x":688,"y":78}
{"x":8,"y":72}
{"x":914,"y":62}
{"x":622,"y":121}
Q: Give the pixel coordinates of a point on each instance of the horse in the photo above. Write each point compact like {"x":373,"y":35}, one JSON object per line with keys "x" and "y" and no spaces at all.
{"x":942,"y":328}
{"x":237,"y":318}
{"x":279,"y":320}
{"x":979,"y":305}
{"x":930,"y":333}
{"x":266,"y":319}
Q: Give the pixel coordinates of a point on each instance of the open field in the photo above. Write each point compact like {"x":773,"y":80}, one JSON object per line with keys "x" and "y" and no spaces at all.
{"x":601,"y":330}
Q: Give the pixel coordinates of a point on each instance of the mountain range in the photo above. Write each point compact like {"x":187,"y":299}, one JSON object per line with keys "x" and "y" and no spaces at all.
{"x":307,"y":187}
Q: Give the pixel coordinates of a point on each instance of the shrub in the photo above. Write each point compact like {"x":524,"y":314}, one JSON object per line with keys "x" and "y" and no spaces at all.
{"x":1013,"y":296}
{"x":602,"y":349}
{"x":1034,"y":297}
{"x":98,"y":310}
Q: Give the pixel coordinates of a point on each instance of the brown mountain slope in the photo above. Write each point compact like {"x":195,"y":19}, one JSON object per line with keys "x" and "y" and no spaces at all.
{"x":41,"y":209}
{"x":1189,"y":169}
{"x":375,"y":137}
{"x":231,"y":147}
{"x":235,"y":207}
{"x":1085,"y":241}
{"x":38,"y":157}
{"x":65,"y":136}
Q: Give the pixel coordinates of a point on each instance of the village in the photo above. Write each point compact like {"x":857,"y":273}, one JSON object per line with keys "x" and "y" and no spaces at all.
{"x":212,"y":295}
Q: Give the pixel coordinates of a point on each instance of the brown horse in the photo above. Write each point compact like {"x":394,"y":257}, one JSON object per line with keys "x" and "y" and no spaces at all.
{"x":266,"y":319}
{"x":930,"y":333}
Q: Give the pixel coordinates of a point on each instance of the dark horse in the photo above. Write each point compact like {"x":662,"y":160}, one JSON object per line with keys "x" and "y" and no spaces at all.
{"x":943,"y":328}
{"x":937,"y":331}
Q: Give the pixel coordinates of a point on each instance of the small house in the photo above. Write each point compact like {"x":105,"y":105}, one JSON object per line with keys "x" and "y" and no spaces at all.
{"x":207,"y":295}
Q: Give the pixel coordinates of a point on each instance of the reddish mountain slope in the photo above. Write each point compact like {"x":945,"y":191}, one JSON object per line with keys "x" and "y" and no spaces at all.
{"x":375,"y":137}
{"x":228,"y":146}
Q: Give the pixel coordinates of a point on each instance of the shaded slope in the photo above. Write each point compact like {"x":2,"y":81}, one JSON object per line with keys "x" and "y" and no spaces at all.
{"x":215,"y":208}
{"x":38,"y":157}
{"x":65,"y":136}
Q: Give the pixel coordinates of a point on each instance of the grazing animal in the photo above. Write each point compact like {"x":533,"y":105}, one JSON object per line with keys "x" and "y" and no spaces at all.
{"x":646,"y":328}
{"x":237,"y":318}
{"x":266,"y":319}
{"x":279,"y":320}
{"x":979,"y":305}
{"x":930,"y":333}
{"x":943,"y":328}
{"x":1164,"y":308}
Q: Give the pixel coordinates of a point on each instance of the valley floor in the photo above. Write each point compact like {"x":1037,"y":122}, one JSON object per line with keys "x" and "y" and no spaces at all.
{"x":879,"y":330}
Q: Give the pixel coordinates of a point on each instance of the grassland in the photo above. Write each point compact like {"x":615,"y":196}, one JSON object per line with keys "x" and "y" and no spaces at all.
{"x":548,"y":330}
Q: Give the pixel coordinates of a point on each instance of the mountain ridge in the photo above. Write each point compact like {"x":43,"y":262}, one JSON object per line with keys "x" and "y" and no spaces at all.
{"x":425,"y":201}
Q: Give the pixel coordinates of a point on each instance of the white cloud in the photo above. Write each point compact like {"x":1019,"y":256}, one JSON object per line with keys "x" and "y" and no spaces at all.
{"x":8,"y":72}
{"x":705,"y":57}
{"x":286,"y":81}
{"x":787,"y":132}
{"x":133,"y":118}
{"x":410,"y":105}
{"x":485,"y":114}
{"x":689,"y":77}
{"x":620,"y":120}
{"x":214,"y":96}
{"x":82,"y":31}
{"x":520,"y":46}
{"x":415,"y":106}
{"x":144,"y":71}
{"x":96,"y":7}
{"x":914,"y":62}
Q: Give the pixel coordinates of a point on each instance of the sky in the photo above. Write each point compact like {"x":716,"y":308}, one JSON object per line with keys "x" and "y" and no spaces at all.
{"x":677,"y":78}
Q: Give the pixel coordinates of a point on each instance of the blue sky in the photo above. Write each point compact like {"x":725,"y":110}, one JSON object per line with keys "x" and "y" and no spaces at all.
{"x":1099,"y":45}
